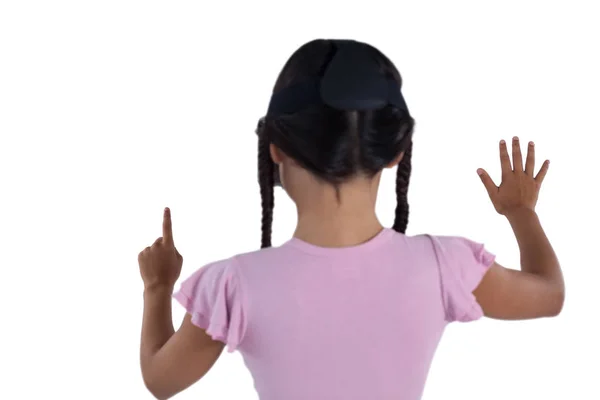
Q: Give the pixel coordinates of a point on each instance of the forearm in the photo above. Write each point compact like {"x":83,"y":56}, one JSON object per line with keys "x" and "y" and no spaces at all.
{"x":537,"y":255}
{"x":157,"y":324}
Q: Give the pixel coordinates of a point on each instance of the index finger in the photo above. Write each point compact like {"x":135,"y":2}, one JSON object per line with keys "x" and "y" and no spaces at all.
{"x":167,"y":228}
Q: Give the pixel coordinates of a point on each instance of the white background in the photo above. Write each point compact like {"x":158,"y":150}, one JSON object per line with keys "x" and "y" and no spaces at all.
{"x":111,"y":110}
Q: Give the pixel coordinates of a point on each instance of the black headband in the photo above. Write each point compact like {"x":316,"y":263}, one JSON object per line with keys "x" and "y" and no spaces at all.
{"x":352,"y":81}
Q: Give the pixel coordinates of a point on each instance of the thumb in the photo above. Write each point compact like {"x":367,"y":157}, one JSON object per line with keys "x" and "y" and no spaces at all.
{"x":489,"y":184}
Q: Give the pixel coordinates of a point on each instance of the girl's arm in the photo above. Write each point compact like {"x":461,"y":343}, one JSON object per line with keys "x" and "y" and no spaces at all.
{"x":170,"y":361}
{"x":537,"y":290}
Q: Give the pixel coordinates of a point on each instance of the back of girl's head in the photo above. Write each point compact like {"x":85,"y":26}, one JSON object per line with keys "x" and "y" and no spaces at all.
{"x":334,"y":145}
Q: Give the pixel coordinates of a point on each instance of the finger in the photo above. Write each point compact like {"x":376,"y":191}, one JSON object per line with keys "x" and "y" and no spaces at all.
{"x":504,"y":159}
{"x":517,"y":158}
{"x":157,"y":242}
{"x":530,"y":162}
{"x":539,"y":178}
{"x":489,"y":184}
{"x":167,"y":227}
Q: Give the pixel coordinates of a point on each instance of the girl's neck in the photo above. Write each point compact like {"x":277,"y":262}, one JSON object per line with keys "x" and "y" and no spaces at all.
{"x":338,"y":218}
{"x":341,"y":228}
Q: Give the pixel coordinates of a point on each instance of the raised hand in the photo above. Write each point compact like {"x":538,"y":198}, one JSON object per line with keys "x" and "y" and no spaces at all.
{"x":519,"y":188}
{"x":160,"y":264}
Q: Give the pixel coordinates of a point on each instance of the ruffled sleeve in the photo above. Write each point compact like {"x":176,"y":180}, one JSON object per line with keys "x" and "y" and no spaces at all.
{"x":213,"y":297}
{"x":462,"y":264}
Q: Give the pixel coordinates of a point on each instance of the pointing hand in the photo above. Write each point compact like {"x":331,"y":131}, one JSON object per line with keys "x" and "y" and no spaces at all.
{"x":160,"y":264}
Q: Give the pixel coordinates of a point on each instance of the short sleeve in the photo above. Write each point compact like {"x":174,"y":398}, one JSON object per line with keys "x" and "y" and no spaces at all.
{"x":462,"y":265}
{"x":213,"y":297}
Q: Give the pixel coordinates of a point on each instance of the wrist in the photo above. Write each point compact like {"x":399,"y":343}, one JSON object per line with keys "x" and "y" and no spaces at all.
{"x":520,"y":213}
{"x":158,"y":289}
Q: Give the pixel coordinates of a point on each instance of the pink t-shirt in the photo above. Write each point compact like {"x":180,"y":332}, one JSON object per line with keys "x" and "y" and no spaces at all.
{"x":358,"y":322}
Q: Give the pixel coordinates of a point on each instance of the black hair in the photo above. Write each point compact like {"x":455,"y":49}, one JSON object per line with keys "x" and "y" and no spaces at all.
{"x":334,"y":145}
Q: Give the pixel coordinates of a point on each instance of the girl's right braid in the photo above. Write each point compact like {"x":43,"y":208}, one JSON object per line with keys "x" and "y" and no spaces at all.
{"x":266,"y":169}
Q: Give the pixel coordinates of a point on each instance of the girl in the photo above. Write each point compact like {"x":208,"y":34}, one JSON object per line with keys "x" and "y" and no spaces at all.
{"x":346,"y":309}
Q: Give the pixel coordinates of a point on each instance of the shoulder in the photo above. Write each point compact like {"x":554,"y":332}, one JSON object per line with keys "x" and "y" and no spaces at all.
{"x":427,"y":245}
{"x":259,"y":261}
{"x":212,"y":273}
{"x":462,"y":263}
{"x":460,"y":249}
{"x":214,"y":297}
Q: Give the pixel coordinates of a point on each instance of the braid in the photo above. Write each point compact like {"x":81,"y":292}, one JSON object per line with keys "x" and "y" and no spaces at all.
{"x":402,"y":180}
{"x":266,"y":170}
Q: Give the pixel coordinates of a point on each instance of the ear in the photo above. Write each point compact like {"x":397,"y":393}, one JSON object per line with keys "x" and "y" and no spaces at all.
{"x":396,"y":160}
{"x":276,"y":154}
